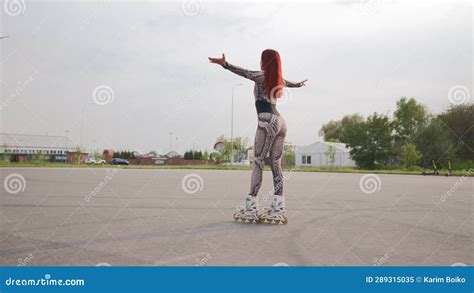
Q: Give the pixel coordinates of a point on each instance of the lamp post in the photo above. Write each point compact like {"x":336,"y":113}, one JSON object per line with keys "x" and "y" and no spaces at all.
{"x":84,"y":108}
{"x":67,"y":132}
{"x":171,"y":134}
{"x":232,"y":125}
{"x":66,"y":151}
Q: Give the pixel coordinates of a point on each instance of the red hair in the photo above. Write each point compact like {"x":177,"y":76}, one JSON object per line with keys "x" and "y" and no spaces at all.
{"x":271,"y":66}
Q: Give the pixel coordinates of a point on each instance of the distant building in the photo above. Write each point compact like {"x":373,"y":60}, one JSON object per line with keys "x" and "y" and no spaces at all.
{"x":316,"y":154}
{"x":24,"y":147}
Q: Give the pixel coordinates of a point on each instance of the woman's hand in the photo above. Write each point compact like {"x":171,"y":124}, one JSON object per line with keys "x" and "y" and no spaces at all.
{"x":303,"y":83}
{"x":219,"y":61}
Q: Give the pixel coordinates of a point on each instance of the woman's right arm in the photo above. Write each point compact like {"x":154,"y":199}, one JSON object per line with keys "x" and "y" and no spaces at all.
{"x":249,"y":74}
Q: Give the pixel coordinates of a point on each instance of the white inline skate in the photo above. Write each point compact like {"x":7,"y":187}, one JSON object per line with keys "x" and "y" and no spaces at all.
{"x":247,"y":212}
{"x":276,"y":213}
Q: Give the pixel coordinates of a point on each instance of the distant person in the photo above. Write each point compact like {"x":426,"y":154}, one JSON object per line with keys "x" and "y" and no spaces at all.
{"x":270,"y":135}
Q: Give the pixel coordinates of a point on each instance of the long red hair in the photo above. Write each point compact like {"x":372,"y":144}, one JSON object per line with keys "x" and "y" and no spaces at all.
{"x":271,"y":66}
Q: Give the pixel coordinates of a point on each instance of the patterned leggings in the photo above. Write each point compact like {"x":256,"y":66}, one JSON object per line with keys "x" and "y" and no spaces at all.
{"x":270,"y":137}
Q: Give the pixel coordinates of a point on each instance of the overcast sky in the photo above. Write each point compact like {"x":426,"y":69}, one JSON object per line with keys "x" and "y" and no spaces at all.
{"x":357,"y":57}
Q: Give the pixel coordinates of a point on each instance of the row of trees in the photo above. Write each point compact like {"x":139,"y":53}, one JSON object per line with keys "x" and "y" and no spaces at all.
{"x":413,"y":136}
{"x":196,"y":155}
{"x":127,"y":155}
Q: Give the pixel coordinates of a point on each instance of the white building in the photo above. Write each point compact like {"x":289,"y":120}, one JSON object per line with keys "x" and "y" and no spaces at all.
{"x":22,"y":147}
{"x":317,"y":154}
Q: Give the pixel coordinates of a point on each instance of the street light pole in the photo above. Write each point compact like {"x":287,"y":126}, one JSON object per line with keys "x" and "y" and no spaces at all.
{"x":171,"y":134}
{"x":232,"y":125}
{"x":82,"y":122}
{"x":66,"y":131}
{"x":66,"y":151}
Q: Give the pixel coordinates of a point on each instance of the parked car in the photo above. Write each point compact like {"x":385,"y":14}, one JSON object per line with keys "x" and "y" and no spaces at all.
{"x":93,"y":161}
{"x":118,"y":161}
{"x":90,"y":161}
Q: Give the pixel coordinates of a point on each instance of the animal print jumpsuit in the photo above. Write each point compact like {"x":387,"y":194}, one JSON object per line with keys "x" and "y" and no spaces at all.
{"x":271,"y":131}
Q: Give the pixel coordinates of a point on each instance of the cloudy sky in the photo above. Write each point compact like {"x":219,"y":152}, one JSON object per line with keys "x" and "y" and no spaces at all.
{"x":137,"y":71}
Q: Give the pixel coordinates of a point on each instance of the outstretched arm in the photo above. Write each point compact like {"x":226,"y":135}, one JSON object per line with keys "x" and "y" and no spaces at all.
{"x":288,"y":83}
{"x":249,"y":74}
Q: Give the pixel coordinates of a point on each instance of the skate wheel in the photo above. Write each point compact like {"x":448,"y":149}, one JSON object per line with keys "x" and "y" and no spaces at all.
{"x":236,"y":216}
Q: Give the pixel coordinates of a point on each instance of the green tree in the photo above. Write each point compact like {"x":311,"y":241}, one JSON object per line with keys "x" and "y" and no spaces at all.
{"x":288,"y":155}
{"x":341,"y":130}
{"x":433,"y":141}
{"x":214,"y":156}
{"x":410,"y":156}
{"x":408,"y":117}
{"x":205,"y":157}
{"x":197,"y":155}
{"x":38,"y":157}
{"x":370,"y":142}
{"x":97,"y":155}
{"x":459,"y":120}
{"x":331,"y":154}
{"x":78,"y":154}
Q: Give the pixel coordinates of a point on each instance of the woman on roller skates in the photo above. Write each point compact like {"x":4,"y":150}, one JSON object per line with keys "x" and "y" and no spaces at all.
{"x":270,"y":136}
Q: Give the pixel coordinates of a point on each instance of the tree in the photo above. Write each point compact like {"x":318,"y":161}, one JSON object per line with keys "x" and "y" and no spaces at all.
{"x":78,"y":154}
{"x":38,"y":157}
{"x":97,"y":155}
{"x":408,"y":117}
{"x":197,"y":155}
{"x":331,"y":154}
{"x":459,"y":120}
{"x":214,"y":156}
{"x":331,"y":130}
{"x":188,"y":155}
{"x":432,"y":140}
{"x":240,"y":148}
{"x":410,"y":156}
{"x":288,"y":155}
{"x":371,"y":141}
{"x":205,"y":157}
{"x":341,"y":130}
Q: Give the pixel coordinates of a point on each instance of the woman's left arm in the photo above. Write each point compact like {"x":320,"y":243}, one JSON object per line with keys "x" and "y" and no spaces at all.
{"x":288,"y":83}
